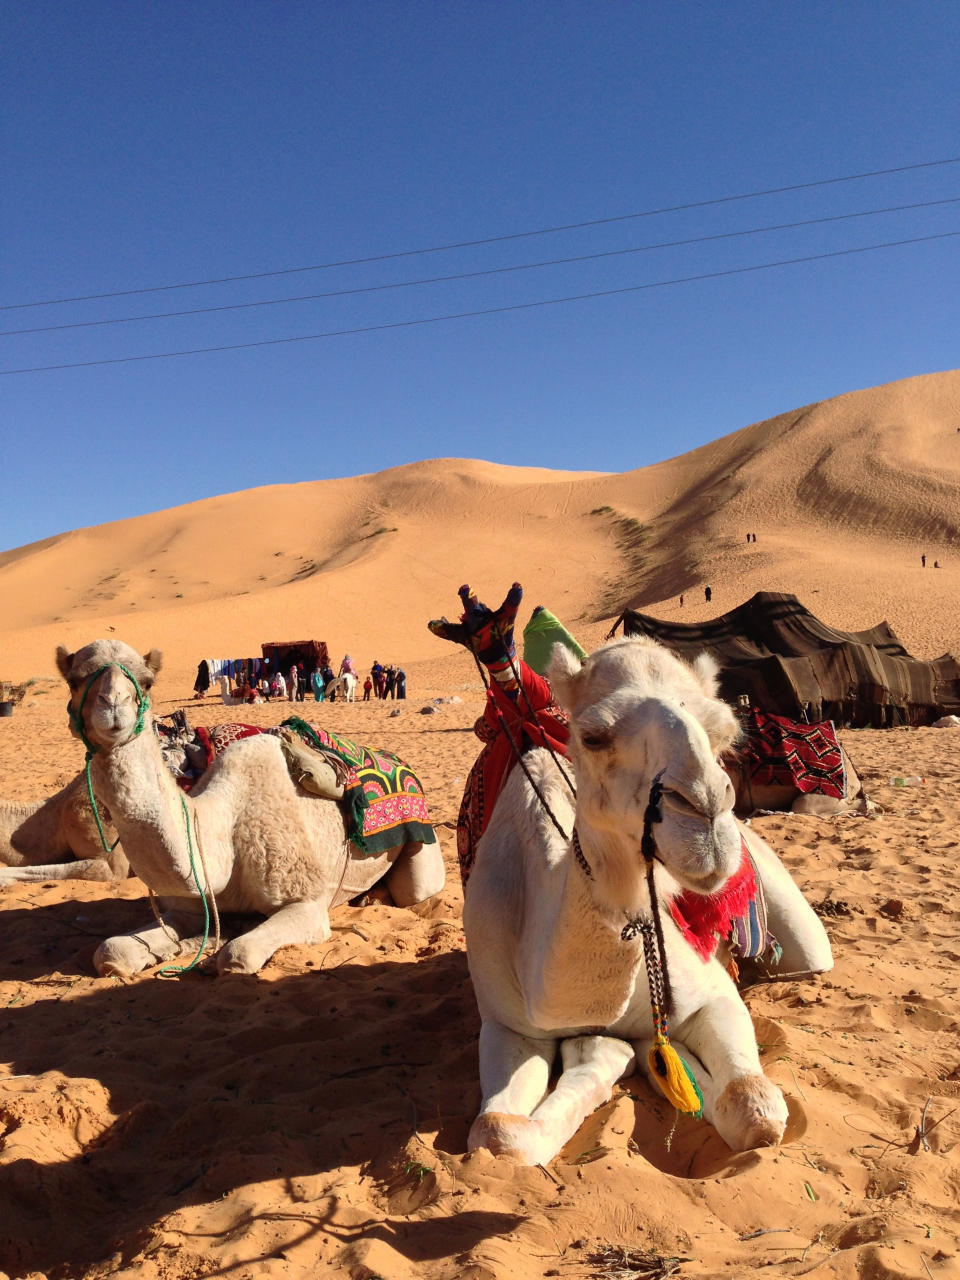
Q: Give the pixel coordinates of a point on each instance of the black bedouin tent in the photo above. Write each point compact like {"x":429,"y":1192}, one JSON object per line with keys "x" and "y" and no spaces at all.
{"x":786,"y":661}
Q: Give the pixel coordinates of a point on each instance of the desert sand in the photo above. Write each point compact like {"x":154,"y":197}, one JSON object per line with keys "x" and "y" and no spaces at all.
{"x":312,"y":1120}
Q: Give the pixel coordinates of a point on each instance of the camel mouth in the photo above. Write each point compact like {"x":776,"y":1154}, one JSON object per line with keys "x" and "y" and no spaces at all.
{"x":701,"y":852}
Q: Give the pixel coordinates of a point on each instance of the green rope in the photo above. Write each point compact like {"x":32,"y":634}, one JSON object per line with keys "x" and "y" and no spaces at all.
{"x":107,"y":848}
{"x":181,"y":969}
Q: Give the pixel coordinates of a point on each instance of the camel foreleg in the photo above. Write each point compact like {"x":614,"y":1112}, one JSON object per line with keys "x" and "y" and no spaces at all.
{"x":514,"y":1077}
{"x":720,"y":1047}
{"x":417,"y":874}
{"x":130,"y":953}
{"x":86,"y":869}
{"x":591,"y":1067}
{"x":298,"y":922}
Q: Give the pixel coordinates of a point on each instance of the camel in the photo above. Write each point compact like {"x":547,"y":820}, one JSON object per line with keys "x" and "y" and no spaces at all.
{"x":38,"y":841}
{"x":754,"y":796}
{"x":554,"y":965}
{"x":345,"y":685}
{"x":262,"y":844}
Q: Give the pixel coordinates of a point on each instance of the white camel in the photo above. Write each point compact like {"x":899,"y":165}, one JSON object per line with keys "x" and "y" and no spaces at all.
{"x":554,"y":926}
{"x":246,"y":833}
{"x":345,"y":685}
{"x":57,"y":839}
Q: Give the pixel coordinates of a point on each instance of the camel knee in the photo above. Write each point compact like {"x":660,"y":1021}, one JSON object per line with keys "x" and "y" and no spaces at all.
{"x":750,"y":1112}
{"x":417,"y":874}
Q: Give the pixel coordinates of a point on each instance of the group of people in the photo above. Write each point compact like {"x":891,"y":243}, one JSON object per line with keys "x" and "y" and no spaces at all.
{"x":385,"y":681}
{"x":296,"y":683}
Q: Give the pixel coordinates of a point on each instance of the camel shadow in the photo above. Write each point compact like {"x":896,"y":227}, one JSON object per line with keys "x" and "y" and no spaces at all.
{"x":194,"y":1088}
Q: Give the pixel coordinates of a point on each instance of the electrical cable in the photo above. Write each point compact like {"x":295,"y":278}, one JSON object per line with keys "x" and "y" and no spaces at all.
{"x":486,"y":311}
{"x":469,"y":244}
{"x":473,"y":275}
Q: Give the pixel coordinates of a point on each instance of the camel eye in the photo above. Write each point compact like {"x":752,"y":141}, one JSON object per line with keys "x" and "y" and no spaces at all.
{"x":596,"y":741}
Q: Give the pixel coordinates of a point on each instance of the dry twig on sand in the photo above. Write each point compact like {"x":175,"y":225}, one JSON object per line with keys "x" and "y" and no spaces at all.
{"x":614,"y":1262}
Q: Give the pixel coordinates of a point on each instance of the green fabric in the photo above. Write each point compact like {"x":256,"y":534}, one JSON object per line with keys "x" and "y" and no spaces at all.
{"x":540,"y":634}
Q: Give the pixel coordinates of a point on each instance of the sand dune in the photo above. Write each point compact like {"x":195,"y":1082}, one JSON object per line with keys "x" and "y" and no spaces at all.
{"x":312,"y":1121}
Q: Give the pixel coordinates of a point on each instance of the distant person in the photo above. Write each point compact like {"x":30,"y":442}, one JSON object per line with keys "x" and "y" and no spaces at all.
{"x":367,"y":687}
{"x":202,"y":682}
{"x":279,"y":685}
{"x":401,"y":683}
{"x":376,"y":671}
{"x":748,"y":537}
{"x":347,"y":666}
{"x":707,"y":594}
{"x":316,"y":683}
{"x":754,"y":536}
{"x":292,"y":682}
{"x":390,"y":681}
{"x":681,"y":602}
{"x":936,"y":564}
{"x":264,"y":687}
{"x":923,"y":562}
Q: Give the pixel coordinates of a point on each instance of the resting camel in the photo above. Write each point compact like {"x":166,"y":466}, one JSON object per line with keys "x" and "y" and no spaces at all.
{"x":57,"y":839}
{"x":262,"y":844}
{"x":555,"y":920}
{"x":752,"y":796}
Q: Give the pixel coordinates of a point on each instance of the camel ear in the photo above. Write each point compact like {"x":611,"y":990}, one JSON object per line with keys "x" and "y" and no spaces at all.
{"x":706,"y":669}
{"x":154,"y":660}
{"x":64,"y":661}
{"x":563,"y":669}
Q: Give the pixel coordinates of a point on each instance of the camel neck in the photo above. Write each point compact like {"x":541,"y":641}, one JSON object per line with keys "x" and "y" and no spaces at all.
{"x":587,"y":973}
{"x":132,"y":781}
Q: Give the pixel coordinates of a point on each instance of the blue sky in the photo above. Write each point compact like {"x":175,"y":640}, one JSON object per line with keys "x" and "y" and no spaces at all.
{"x":152,"y":144}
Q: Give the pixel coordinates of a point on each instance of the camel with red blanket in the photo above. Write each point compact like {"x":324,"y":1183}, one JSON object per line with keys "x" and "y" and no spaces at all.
{"x":607,"y":888}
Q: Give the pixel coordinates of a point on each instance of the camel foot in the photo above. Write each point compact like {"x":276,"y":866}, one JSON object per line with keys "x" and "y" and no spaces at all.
{"x":240,"y":956}
{"x":516,"y":1138}
{"x":751,"y":1112}
{"x":122,"y":957}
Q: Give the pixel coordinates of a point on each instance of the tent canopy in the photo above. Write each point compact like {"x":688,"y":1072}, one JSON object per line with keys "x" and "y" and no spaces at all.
{"x":282,"y":654}
{"x":786,"y":661}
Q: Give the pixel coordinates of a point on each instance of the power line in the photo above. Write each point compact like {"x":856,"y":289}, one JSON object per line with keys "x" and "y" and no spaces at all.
{"x":471,"y":244}
{"x":487,"y":311}
{"x":473,"y":275}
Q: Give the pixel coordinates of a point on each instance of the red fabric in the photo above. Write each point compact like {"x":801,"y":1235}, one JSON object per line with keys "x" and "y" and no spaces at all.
{"x":497,"y":758}
{"x":704,"y":919}
{"x":219,"y":736}
{"x":784,"y":752}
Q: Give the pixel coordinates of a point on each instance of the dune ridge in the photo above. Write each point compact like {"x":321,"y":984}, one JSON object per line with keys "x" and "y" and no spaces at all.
{"x":868,"y":480}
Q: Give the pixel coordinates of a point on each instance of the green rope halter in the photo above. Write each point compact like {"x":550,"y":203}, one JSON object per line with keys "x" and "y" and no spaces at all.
{"x":76,"y":719}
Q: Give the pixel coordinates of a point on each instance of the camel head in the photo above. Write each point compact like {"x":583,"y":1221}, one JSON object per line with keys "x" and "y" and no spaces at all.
{"x":638,"y":713}
{"x":109,"y":683}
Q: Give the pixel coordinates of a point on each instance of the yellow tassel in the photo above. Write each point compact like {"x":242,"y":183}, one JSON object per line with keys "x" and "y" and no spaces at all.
{"x":675,"y":1079}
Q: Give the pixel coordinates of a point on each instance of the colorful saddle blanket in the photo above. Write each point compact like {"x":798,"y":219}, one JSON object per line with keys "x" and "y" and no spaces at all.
{"x":782,"y":752}
{"x":383,"y":801}
{"x":383,"y":798}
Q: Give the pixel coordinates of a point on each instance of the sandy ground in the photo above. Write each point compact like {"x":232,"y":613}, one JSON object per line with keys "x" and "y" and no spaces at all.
{"x":312,"y":1120}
